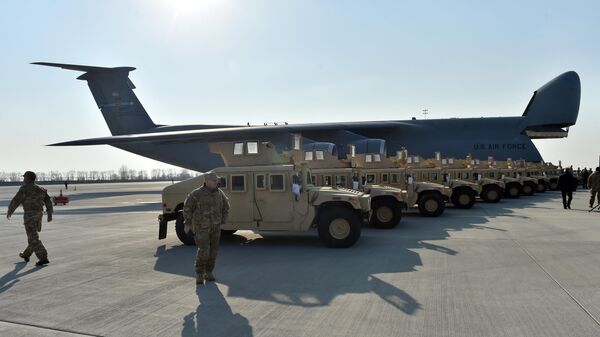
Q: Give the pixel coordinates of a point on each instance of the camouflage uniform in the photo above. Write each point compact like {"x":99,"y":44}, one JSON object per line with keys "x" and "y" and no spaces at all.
{"x":205,"y":211}
{"x":594,"y":186}
{"x":33,"y":198}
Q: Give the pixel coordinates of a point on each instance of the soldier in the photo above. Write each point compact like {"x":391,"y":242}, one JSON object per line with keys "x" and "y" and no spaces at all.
{"x":204,"y":210}
{"x":594,"y":186}
{"x":567,"y":184}
{"x":33,"y":198}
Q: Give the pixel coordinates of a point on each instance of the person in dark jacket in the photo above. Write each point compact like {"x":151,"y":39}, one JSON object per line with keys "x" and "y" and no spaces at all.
{"x":567,"y":184}
{"x":585,"y":174}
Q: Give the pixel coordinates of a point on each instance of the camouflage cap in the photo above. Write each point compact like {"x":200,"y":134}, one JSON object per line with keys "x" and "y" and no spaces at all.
{"x":211,"y":176}
{"x":30,"y":175}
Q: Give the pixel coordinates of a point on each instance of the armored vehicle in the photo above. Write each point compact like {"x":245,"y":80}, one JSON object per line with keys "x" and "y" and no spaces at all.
{"x":445,"y":172}
{"x":471,"y":170}
{"x":266,"y":195}
{"x":327,"y":169}
{"x":508,"y":169}
{"x":535,"y":171}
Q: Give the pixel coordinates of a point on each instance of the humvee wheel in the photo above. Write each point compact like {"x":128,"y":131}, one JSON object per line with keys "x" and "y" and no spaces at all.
{"x":228,"y":231}
{"x":541,"y":187}
{"x":386,"y":214}
{"x":513,"y":191}
{"x":491,"y":193}
{"x":554,"y":185}
{"x":431,"y":205}
{"x":528,"y":188}
{"x":185,"y":238}
{"x":463,"y":198}
{"x":339,"y":227}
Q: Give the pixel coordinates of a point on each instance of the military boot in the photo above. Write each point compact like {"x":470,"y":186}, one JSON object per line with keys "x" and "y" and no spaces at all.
{"x":200,"y":278}
{"x":24,"y":257}
{"x":210,"y":277}
{"x":42,"y":262}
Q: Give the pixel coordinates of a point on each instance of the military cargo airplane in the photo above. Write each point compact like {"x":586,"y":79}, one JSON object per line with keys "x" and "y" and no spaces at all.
{"x":552,"y":109}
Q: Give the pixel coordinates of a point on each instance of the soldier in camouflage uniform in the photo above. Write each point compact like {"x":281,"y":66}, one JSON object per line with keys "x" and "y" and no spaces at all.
{"x":594,"y":186}
{"x":33,"y":198}
{"x":204,"y":210}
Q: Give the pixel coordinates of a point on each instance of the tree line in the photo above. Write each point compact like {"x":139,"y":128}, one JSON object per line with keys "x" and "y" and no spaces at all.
{"x":122,"y":174}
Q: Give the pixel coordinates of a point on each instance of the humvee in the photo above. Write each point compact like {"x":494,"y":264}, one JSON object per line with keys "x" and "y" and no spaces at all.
{"x":513,"y":188}
{"x":266,"y":195}
{"x":552,"y":172}
{"x":327,"y":169}
{"x":528,"y":184}
{"x":491,"y":189}
{"x":535,"y":171}
{"x":445,"y":172}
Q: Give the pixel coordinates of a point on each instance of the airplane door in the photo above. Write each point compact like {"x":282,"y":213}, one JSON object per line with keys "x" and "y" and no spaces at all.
{"x":274,"y":200}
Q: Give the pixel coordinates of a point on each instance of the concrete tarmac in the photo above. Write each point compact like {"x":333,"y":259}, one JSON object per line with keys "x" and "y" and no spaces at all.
{"x":523,"y":267}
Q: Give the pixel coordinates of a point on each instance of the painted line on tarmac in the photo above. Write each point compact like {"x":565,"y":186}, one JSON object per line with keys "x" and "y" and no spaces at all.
{"x":557,"y":282}
{"x":49,"y":328}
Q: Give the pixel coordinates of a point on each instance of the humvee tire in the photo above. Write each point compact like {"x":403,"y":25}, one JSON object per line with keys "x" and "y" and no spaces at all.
{"x":431,"y":204}
{"x":339,"y":227}
{"x":386,"y":213}
{"x":228,"y":231}
{"x":463,"y":198}
{"x":491,"y":193}
{"x":513,"y":190}
{"x":541,"y":187}
{"x":186,"y":238}
{"x":553,"y":184}
{"x":529,"y":188}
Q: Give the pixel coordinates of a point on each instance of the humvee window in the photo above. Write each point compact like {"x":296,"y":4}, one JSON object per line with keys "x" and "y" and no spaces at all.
{"x":238,"y":149}
{"x":340,"y":181}
{"x":320,"y":155}
{"x":370,"y":178}
{"x":433,"y":176}
{"x":223,"y":182}
{"x":368,"y":158}
{"x":395,"y":178}
{"x":260,"y":182}
{"x":308,"y":155}
{"x":327,"y":181}
{"x":384,"y":178}
{"x":377,"y":157}
{"x":313,"y":180}
{"x":297,"y":142}
{"x":465,"y":175}
{"x":238,"y":183}
{"x":252,"y":147}
{"x":276,"y":182}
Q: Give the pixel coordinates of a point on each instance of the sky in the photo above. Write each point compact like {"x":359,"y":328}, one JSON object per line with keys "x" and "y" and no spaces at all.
{"x":238,"y":61}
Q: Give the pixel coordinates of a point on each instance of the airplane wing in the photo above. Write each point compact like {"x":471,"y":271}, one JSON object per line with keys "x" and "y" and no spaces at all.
{"x":228,"y":133}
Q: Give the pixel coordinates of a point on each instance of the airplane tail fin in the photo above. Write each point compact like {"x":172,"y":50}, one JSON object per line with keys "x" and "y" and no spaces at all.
{"x":553,"y":108}
{"x":113,"y":91}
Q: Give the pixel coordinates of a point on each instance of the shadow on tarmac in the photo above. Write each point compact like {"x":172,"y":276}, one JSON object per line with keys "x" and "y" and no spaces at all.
{"x":12,"y":277}
{"x":214,"y":317}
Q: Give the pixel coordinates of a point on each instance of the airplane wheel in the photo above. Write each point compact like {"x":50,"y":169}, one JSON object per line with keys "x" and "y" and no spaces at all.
{"x":339,"y":227}
{"x":491,"y":193}
{"x":186,"y":238}
{"x":463,"y":198}
{"x":431,"y":204}
{"x":386,"y":214}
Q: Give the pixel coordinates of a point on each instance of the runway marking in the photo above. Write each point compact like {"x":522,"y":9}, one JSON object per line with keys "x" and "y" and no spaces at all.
{"x":557,"y":282}
{"x":48,"y":328}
